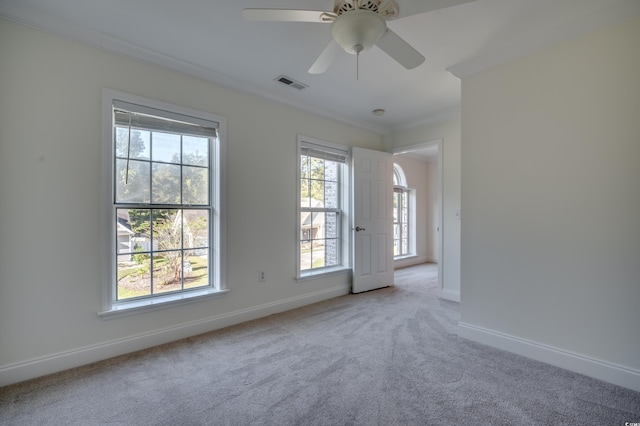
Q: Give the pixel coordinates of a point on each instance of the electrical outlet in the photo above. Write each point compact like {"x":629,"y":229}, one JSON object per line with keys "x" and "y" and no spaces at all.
{"x":262,"y":276}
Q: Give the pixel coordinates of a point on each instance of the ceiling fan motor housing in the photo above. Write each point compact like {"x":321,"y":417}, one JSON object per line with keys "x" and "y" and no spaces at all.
{"x":342,"y":6}
{"x":358,"y":30}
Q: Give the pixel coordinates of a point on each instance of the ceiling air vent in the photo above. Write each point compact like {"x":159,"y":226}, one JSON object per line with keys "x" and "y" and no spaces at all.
{"x":291,"y":82}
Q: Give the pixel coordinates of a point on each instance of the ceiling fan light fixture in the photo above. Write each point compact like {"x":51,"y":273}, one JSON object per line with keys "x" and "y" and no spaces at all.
{"x":358,"y":30}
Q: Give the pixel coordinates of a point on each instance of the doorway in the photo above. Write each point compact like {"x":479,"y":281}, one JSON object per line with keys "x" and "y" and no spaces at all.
{"x":422,"y":166}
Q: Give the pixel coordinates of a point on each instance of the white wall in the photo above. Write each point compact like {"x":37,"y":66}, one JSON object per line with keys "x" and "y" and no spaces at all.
{"x":417,"y":175}
{"x":433,"y":206}
{"x":50,"y":220}
{"x":449,"y":132}
{"x":551,"y":195}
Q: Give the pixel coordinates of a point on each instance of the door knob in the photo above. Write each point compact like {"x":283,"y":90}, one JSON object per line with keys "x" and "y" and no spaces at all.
{"x":358,"y":229}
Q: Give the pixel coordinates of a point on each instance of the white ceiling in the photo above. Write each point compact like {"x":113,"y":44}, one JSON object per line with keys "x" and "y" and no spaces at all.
{"x":210,"y":40}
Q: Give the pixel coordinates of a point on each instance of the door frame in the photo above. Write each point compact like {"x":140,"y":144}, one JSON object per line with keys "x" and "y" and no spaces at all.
{"x":440,"y":185}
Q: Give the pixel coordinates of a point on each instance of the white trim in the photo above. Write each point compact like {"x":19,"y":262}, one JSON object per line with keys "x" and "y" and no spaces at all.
{"x":453,"y":296}
{"x":139,"y":306}
{"x":323,"y":273}
{"x":583,"y":364}
{"x":17,"y":372}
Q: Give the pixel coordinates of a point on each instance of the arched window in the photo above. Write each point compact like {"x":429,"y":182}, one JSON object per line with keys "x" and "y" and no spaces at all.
{"x":401,"y":217}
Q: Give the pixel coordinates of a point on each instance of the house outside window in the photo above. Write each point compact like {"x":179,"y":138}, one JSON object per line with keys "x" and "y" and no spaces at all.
{"x":165,"y":215}
{"x":322,"y":176}
{"x":401,"y":214}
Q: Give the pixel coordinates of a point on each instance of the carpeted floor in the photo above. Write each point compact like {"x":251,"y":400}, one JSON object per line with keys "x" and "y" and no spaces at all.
{"x":387,"y":357}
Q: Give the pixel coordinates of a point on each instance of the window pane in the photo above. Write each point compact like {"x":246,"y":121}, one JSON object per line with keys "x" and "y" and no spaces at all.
{"x":166,"y":233}
{"x":134,"y":280}
{"x":317,"y":226}
{"x":196,"y":231}
{"x":331,"y":225}
{"x":166,"y":184}
{"x":317,"y":193}
{"x":317,"y":254}
{"x":141,"y":224}
{"x":195,"y":185}
{"x":166,"y":147}
{"x":305,"y":226}
{"x":305,"y":193}
{"x":405,"y":210}
{"x":195,"y":151}
{"x":305,"y":255}
{"x":132,"y":185}
{"x":137,"y":147}
{"x":167,"y":272}
{"x":317,"y":168}
{"x":331,"y":195}
{"x":305,"y":165}
{"x":331,"y":252}
{"x":124,"y":235}
{"x":331,"y":171}
{"x":196,"y":269}
{"x":132,"y":229}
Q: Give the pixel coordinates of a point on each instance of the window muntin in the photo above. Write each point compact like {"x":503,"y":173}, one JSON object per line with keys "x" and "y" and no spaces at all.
{"x":162,"y":202}
{"x":321,"y":175}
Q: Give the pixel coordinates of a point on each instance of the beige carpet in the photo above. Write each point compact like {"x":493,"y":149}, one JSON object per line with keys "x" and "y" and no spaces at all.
{"x":387,"y":357}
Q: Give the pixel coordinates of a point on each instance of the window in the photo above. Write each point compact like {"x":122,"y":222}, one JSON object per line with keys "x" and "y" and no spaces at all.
{"x":322,"y":246}
{"x":401,"y":219}
{"x":165,"y":197}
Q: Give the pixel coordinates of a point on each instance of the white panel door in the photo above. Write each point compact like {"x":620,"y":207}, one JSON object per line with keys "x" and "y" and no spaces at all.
{"x":372,"y":219}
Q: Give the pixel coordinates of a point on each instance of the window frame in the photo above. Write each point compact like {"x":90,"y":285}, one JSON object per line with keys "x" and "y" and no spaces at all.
{"x":112,"y":308}
{"x":344,"y":198}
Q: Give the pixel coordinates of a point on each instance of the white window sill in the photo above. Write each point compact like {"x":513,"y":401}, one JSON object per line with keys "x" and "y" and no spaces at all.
{"x":405,"y":256}
{"x":313,"y":274}
{"x":122,"y":309}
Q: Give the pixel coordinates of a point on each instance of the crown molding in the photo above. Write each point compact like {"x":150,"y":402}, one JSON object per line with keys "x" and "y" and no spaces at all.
{"x":112,"y":44}
{"x":115,"y":45}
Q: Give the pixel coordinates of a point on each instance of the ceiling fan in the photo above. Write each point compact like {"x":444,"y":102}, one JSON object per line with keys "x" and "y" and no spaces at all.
{"x":357,"y":25}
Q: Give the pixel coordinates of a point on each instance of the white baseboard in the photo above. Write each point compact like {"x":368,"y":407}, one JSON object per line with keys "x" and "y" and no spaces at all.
{"x":602,"y":370}
{"x":18,"y":372}
{"x":451,"y":295}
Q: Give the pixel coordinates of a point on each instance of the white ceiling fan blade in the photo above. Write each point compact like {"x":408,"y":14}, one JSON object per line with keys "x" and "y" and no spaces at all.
{"x":414,"y":7}
{"x":393,"y":45}
{"x":326,"y":58}
{"x":287,"y":15}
